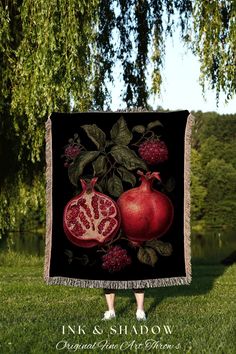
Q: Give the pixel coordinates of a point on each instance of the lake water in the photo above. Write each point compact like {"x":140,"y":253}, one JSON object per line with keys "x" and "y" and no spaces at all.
{"x":31,"y":243}
{"x":213,"y":246}
{"x":210,"y":247}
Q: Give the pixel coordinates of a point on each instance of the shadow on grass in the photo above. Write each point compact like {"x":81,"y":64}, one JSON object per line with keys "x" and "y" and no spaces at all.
{"x":203,"y":278}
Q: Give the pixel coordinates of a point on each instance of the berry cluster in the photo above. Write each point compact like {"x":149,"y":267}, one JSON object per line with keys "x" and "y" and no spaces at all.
{"x":72,"y":151}
{"x":153,"y":151}
{"x":116,"y":259}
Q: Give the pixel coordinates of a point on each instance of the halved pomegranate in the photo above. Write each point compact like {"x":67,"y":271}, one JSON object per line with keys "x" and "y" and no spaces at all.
{"x":91,"y":218}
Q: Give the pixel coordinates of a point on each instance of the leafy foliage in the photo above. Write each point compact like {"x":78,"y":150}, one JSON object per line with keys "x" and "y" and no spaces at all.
{"x":147,"y":256}
{"x":112,"y":162}
{"x":46,"y":59}
{"x":120,"y":133}
{"x":77,"y":168}
{"x":56,"y":51}
{"x":97,"y":136}
{"x":214,"y":42}
{"x":148,"y":253}
{"x":163,"y":248}
{"x":126,"y":175}
{"x":59,"y":55}
{"x":127,"y":158}
{"x":213,"y":174}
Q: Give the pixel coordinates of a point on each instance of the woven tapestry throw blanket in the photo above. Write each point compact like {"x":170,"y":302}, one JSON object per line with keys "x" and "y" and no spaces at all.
{"x":118,"y":199}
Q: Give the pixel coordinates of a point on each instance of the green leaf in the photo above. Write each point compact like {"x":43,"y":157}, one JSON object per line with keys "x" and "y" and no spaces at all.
{"x":155,"y":123}
{"x":114,"y":186}
{"x":163,"y":248}
{"x":139,"y":129}
{"x":126,"y":176}
{"x":147,"y":256}
{"x":170,"y":184}
{"x":77,"y":167}
{"x":120,"y":133}
{"x":101,"y":185}
{"x":84,"y":260}
{"x":97,"y":136}
{"x":100,"y":166}
{"x":69,"y":253}
{"x":127,"y":158}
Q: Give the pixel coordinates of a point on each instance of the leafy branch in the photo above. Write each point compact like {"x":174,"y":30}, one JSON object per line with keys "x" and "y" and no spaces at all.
{"x":148,"y":253}
{"x":146,"y":132}
{"x":112,"y":160}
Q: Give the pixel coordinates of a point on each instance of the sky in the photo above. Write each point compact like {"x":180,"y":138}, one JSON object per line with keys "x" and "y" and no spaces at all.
{"x":180,"y":87}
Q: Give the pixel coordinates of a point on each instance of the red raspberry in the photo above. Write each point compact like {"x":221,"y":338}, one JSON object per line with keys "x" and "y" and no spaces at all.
{"x":153,"y":151}
{"x":116,"y":259}
{"x":72,"y":151}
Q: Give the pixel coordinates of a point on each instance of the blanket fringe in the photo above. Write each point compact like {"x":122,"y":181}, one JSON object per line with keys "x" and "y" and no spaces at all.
{"x":48,"y":240}
{"x":119,"y":284}
{"x":187,"y":197}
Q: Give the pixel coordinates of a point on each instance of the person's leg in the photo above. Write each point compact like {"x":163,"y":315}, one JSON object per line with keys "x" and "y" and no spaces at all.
{"x":110,"y":299}
{"x":139,"y":296}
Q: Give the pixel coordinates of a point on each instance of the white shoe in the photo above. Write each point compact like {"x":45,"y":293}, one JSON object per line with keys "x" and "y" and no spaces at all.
{"x":140,"y":315}
{"x":108,"y":315}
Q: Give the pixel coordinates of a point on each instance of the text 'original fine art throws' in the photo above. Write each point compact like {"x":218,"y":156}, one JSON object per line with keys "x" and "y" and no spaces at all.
{"x":118,"y":199}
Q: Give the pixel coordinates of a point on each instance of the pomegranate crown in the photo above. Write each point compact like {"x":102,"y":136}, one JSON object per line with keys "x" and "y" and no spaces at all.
{"x":88,"y":186}
{"x":149,"y":176}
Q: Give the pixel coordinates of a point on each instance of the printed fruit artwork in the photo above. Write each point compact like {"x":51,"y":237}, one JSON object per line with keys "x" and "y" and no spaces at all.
{"x":91,"y":218}
{"x":111,"y":207}
{"x":153,"y":152}
{"x":72,"y":150}
{"x":145,"y":212}
{"x":115,"y":259}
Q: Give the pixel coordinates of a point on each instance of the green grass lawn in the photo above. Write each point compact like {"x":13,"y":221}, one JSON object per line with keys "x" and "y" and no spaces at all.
{"x":202,"y":316}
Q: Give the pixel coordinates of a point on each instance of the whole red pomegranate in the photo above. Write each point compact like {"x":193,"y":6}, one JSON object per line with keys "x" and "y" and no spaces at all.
{"x":91,"y":218}
{"x":145,"y":213}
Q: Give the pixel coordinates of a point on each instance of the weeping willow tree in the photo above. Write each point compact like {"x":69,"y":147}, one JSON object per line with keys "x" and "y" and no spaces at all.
{"x":60,"y":55}
{"x":46,"y":50}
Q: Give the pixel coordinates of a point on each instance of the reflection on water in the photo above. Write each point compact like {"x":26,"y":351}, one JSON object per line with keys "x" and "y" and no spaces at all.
{"x":208,"y":247}
{"x":213,"y":246}
{"x":31,"y":243}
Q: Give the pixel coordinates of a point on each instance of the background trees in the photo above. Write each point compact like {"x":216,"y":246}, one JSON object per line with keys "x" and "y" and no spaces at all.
{"x":47,"y":58}
{"x":59,"y":55}
{"x":214,"y":170}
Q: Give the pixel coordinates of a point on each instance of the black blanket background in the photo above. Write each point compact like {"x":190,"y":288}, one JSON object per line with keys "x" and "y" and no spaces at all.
{"x":63,"y":126}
